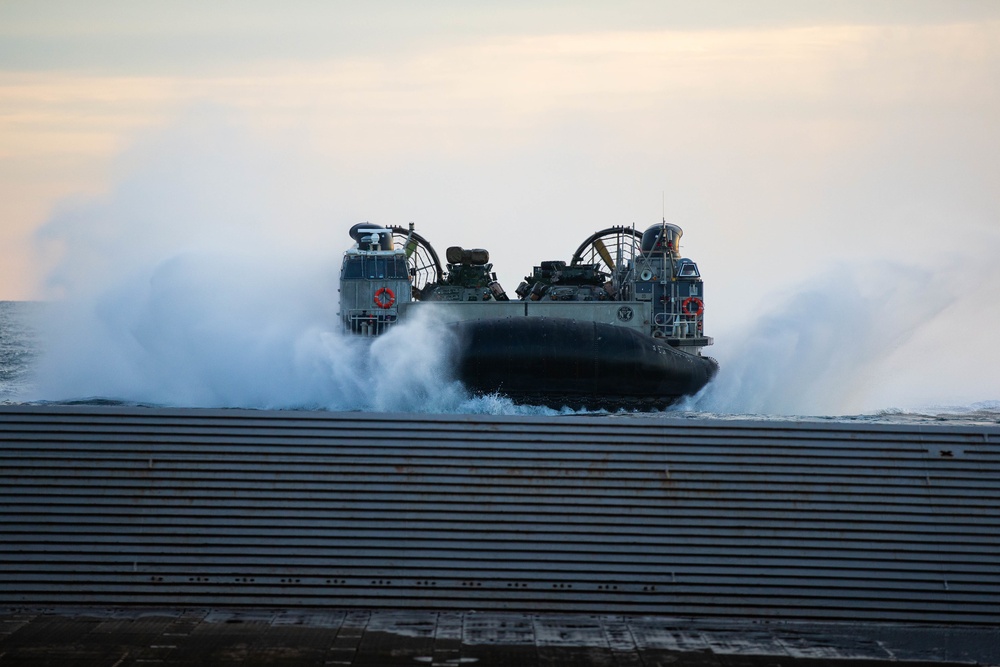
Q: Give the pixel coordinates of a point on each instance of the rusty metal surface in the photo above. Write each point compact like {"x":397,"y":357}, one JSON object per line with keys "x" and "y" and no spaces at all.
{"x":108,"y":637}
{"x":643,"y":515}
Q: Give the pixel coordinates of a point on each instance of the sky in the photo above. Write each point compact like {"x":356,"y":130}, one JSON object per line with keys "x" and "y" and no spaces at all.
{"x":806,"y":148}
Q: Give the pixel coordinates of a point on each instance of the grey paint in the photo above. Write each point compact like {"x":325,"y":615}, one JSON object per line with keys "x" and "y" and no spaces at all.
{"x":637,"y":515}
{"x":605,"y":312}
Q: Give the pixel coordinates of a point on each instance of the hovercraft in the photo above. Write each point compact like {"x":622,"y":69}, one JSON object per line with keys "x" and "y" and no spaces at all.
{"x":621,"y":325}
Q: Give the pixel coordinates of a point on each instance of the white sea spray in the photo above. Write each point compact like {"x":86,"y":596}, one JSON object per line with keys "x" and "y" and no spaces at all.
{"x":207,"y":276}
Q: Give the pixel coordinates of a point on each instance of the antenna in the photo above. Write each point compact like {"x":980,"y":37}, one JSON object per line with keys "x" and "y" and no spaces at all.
{"x":663,"y":205}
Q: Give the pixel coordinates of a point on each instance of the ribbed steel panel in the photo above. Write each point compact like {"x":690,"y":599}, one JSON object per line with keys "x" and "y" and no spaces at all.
{"x":639,"y":515}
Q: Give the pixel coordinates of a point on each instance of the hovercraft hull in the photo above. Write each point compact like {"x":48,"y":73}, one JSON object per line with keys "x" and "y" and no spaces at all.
{"x":565,"y":362}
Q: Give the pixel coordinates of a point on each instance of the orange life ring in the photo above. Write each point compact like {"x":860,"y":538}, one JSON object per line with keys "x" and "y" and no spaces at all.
{"x":699,"y":306}
{"x":384,"y":303}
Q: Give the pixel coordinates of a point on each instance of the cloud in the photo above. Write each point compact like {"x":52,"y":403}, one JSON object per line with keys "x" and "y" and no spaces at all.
{"x":189,"y":37}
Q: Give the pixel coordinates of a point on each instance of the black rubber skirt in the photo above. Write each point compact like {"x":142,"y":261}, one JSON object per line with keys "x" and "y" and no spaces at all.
{"x":561,"y":362}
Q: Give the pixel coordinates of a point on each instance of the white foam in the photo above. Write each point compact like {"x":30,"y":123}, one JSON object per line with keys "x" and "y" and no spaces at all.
{"x":208,"y":275}
{"x":822,"y":348}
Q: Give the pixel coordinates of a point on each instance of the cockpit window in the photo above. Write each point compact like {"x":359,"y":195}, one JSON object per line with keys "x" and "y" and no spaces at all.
{"x":376,"y":268}
{"x":688,"y":270}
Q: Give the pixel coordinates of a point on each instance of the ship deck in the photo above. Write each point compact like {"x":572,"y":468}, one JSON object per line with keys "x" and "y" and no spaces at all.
{"x":182,"y":536}
{"x":382,"y":638}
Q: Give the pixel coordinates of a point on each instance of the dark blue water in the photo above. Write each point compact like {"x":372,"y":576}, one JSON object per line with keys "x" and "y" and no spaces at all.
{"x":19,"y":347}
{"x":324,"y":371}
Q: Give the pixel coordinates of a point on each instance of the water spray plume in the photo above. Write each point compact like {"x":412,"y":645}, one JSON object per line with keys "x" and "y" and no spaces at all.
{"x":818,"y":350}
{"x":195,"y":282}
{"x":207,"y":277}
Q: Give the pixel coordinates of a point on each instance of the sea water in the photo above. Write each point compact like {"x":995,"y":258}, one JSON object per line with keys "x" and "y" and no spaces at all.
{"x":192,"y":364}
{"x":18,"y":347}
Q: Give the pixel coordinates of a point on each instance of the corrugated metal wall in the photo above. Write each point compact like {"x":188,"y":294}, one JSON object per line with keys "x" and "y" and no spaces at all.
{"x":589,"y":514}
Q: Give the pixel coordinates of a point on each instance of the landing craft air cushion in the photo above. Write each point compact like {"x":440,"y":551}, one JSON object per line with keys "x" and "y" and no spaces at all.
{"x":619,"y":326}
